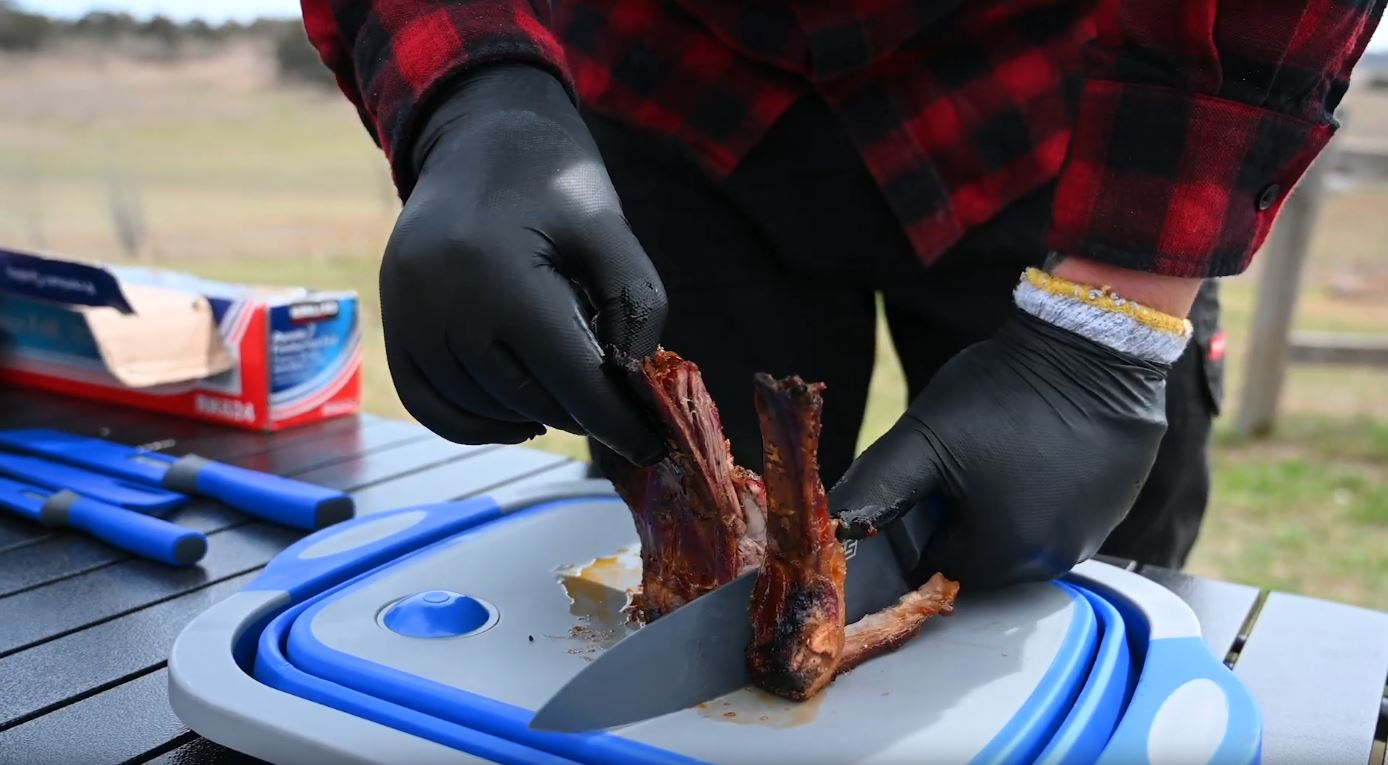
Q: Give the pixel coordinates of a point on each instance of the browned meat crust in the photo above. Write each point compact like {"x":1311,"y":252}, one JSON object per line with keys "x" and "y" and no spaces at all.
{"x":890,"y":628}
{"x":703,"y":521}
{"x":699,"y":516}
{"x":797,"y":605}
{"x":799,"y":642}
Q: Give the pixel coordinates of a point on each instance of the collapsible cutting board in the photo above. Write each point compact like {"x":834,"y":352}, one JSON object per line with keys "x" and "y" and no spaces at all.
{"x":432,"y":634}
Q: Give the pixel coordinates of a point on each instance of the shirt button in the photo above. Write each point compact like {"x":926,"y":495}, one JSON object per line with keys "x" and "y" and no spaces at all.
{"x":1269,"y":196}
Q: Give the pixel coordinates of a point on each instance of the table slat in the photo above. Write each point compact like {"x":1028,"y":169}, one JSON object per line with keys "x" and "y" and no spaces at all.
{"x":242,"y":445}
{"x":22,"y":408}
{"x":1317,"y":670}
{"x":1221,"y":607}
{"x":133,"y":720}
{"x":30,"y":409}
{"x":314,"y":447}
{"x":330,"y":447}
{"x":94,"y":673}
{"x":201,"y":751}
{"x":136,"y":427}
{"x":484,"y":470}
{"x":372,"y":469}
{"x":85,"y":661}
{"x":116,"y":725}
{"x":30,"y":616}
{"x":48,"y":555}
{"x":45,"y":612}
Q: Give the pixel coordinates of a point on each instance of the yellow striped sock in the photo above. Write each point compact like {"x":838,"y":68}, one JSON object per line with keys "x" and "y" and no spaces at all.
{"x":1105,"y":299}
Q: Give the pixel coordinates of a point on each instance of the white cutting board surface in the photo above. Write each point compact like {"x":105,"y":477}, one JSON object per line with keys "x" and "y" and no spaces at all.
{"x":941,"y":698}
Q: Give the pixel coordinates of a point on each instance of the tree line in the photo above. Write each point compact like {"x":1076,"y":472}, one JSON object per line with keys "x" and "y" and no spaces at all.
{"x":23,"y":31}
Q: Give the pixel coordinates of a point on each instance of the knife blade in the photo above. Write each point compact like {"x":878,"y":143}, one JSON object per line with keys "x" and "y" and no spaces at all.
{"x":698,"y":652}
{"x":104,"y":488}
{"x":276,"y":499}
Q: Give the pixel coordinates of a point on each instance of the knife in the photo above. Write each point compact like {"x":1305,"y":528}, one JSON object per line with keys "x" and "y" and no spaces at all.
{"x":698,"y":652}
{"x":104,"y":488}
{"x":143,"y":535}
{"x":280,"y":500}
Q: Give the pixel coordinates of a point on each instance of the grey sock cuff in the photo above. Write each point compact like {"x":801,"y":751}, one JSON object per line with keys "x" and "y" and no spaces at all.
{"x":1119,"y":331}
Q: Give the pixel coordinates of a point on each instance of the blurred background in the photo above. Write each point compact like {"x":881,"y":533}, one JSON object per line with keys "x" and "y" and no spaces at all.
{"x":211,"y":140}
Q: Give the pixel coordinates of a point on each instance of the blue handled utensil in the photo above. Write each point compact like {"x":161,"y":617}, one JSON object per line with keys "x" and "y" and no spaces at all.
{"x":276,"y":499}
{"x":103,"y":488}
{"x":143,"y":535}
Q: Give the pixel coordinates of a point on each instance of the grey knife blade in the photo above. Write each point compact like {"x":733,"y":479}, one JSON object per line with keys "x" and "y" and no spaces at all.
{"x":688,"y":656}
{"x":698,"y":652}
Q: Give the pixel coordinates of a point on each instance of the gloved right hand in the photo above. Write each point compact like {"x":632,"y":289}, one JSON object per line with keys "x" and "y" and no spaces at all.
{"x":512,"y":269}
{"x":1037,"y":439}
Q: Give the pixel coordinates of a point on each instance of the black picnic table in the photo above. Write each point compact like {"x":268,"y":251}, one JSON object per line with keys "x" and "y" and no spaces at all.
{"x":85,"y":628}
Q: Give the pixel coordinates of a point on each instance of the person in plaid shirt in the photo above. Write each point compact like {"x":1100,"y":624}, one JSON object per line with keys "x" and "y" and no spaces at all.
{"x":1039,"y":193}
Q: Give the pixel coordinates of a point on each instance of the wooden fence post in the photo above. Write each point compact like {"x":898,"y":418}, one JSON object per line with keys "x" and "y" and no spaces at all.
{"x":1282,"y":262}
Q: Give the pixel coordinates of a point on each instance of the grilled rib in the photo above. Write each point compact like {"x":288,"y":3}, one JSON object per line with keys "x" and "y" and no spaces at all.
{"x":797,"y":605}
{"x":703,"y":520}
{"x":700,"y":517}
{"x":890,"y":628}
{"x":799,"y":642}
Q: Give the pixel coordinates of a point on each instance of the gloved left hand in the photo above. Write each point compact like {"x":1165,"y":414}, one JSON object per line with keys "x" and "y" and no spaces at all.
{"x":512,"y":273}
{"x":1038,"y":441}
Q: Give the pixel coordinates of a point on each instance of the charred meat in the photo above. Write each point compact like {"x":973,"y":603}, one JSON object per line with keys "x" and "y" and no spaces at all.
{"x":700,"y":518}
{"x":799,"y":641}
{"x":703,"y":521}
{"x":890,"y":628}
{"x":797,"y":605}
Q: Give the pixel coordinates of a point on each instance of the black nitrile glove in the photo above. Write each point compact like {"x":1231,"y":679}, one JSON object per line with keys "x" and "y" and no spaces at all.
{"x":511,"y":269}
{"x":1036,"y":439}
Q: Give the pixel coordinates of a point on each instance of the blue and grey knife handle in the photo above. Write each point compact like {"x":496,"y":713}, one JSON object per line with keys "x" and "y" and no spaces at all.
{"x":143,"y":535}
{"x":280,"y":500}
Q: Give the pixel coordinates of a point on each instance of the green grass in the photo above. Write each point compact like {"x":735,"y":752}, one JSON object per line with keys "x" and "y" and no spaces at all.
{"x":1304,"y":512}
{"x":245,"y":181}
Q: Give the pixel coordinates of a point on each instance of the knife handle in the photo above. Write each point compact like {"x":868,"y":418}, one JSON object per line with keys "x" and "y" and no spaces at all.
{"x":912,"y":531}
{"x":280,"y":500}
{"x":143,"y":535}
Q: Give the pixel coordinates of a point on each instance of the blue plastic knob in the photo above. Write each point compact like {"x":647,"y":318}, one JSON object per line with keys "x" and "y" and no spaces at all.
{"x":438,"y":613}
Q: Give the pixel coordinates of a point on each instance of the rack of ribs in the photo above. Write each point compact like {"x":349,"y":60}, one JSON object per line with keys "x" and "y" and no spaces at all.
{"x":799,"y":640}
{"x":703,"y":521}
{"x":700,"y":518}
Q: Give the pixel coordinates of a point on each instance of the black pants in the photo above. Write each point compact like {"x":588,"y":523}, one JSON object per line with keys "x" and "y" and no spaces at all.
{"x":779,"y":268}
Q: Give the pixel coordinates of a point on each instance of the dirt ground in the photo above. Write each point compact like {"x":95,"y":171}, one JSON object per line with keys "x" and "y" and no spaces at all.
{"x":208,"y":164}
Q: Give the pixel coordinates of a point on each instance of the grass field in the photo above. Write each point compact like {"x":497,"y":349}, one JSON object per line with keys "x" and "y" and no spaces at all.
{"x":221,"y":172}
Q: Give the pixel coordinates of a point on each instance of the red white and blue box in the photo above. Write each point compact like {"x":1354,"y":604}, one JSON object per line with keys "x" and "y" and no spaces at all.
{"x":259,"y":358}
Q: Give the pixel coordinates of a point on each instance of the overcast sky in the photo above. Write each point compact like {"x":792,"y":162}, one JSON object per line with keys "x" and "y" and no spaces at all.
{"x":182,"y":10}
{"x":245,"y":10}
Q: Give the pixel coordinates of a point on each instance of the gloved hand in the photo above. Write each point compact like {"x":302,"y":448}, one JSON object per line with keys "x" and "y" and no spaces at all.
{"x":1037,"y":440}
{"x":511,"y":269}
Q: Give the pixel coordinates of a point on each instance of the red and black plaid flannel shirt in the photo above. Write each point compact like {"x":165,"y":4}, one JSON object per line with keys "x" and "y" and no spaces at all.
{"x":1175,"y":128}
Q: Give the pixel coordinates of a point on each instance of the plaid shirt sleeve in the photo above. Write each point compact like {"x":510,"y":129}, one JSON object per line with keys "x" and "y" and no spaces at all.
{"x":1196,"y":119}
{"x":391,"y":56}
